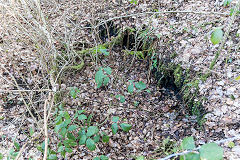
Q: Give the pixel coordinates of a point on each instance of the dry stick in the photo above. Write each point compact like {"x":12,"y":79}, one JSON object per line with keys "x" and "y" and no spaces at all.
{"x":24,"y":146}
{"x":25,"y":103}
{"x":45,"y":125}
{"x":190,"y":151}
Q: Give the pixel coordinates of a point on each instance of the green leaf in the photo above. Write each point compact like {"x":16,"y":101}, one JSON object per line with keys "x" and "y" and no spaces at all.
{"x":60,"y":149}
{"x":17,"y":145}
{"x":82,"y":117}
{"x":102,"y":157}
{"x":125,"y":127}
{"x":71,"y":136}
{"x":140,"y":85}
{"x":72,"y":127}
{"x":130,"y":88}
{"x":106,"y":80}
{"x":73,"y":92}
{"x":66,"y":115}
{"x":114,"y":128}
{"x":96,"y":158}
{"x":92,"y":130}
{"x":63,"y":132}
{"x":188,"y":143}
{"x":99,"y":78}
{"x":237,"y":78}
{"x":115,"y":119}
{"x":90,"y":144}
{"x":211,"y":151}
{"x":83,"y":139}
{"x":108,"y":70}
{"x":217,"y":36}
{"x":69,"y":143}
{"x":80,"y":111}
{"x":31,"y":131}
{"x":190,"y":156}
{"x":122,"y":98}
{"x":1,"y":156}
{"x":96,"y":138}
{"x":140,"y":158}
{"x":148,"y":91}
{"x":52,"y":157}
{"x":231,"y":144}
{"x":105,"y":138}
{"x":104,"y":51}
{"x":226,"y":2}
{"x":69,"y":150}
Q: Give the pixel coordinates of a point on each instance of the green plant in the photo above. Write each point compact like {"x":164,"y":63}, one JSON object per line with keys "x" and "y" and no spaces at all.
{"x":216,"y":36}
{"x":121,"y":97}
{"x":79,"y":130}
{"x":73,"y":92}
{"x":124,"y":126}
{"x":226,"y":2}
{"x":1,"y":156}
{"x":209,"y":151}
{"x":102,"y":157}
{"x":133,"y":1}
{"x":102,"y":76}
{"x":139,"y":86}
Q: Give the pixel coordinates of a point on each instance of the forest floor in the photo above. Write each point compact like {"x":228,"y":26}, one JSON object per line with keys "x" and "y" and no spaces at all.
{"x":159,"y":118}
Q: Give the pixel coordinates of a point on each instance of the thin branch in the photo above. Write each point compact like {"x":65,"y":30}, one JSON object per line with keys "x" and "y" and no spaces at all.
{"x":45,"y":125}
{"x":161,"y":12}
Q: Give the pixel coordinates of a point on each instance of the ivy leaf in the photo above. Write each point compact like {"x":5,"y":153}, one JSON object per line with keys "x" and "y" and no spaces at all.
{"x":115,"y":119}
{"x":92,"y":130}
{"x":217,"y":36}
{"x":114,"y":128}
{"x":211,"y":151}
{"x":90,"y":144}
{"x":125,"y":127}
{"x":140,"y":85}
